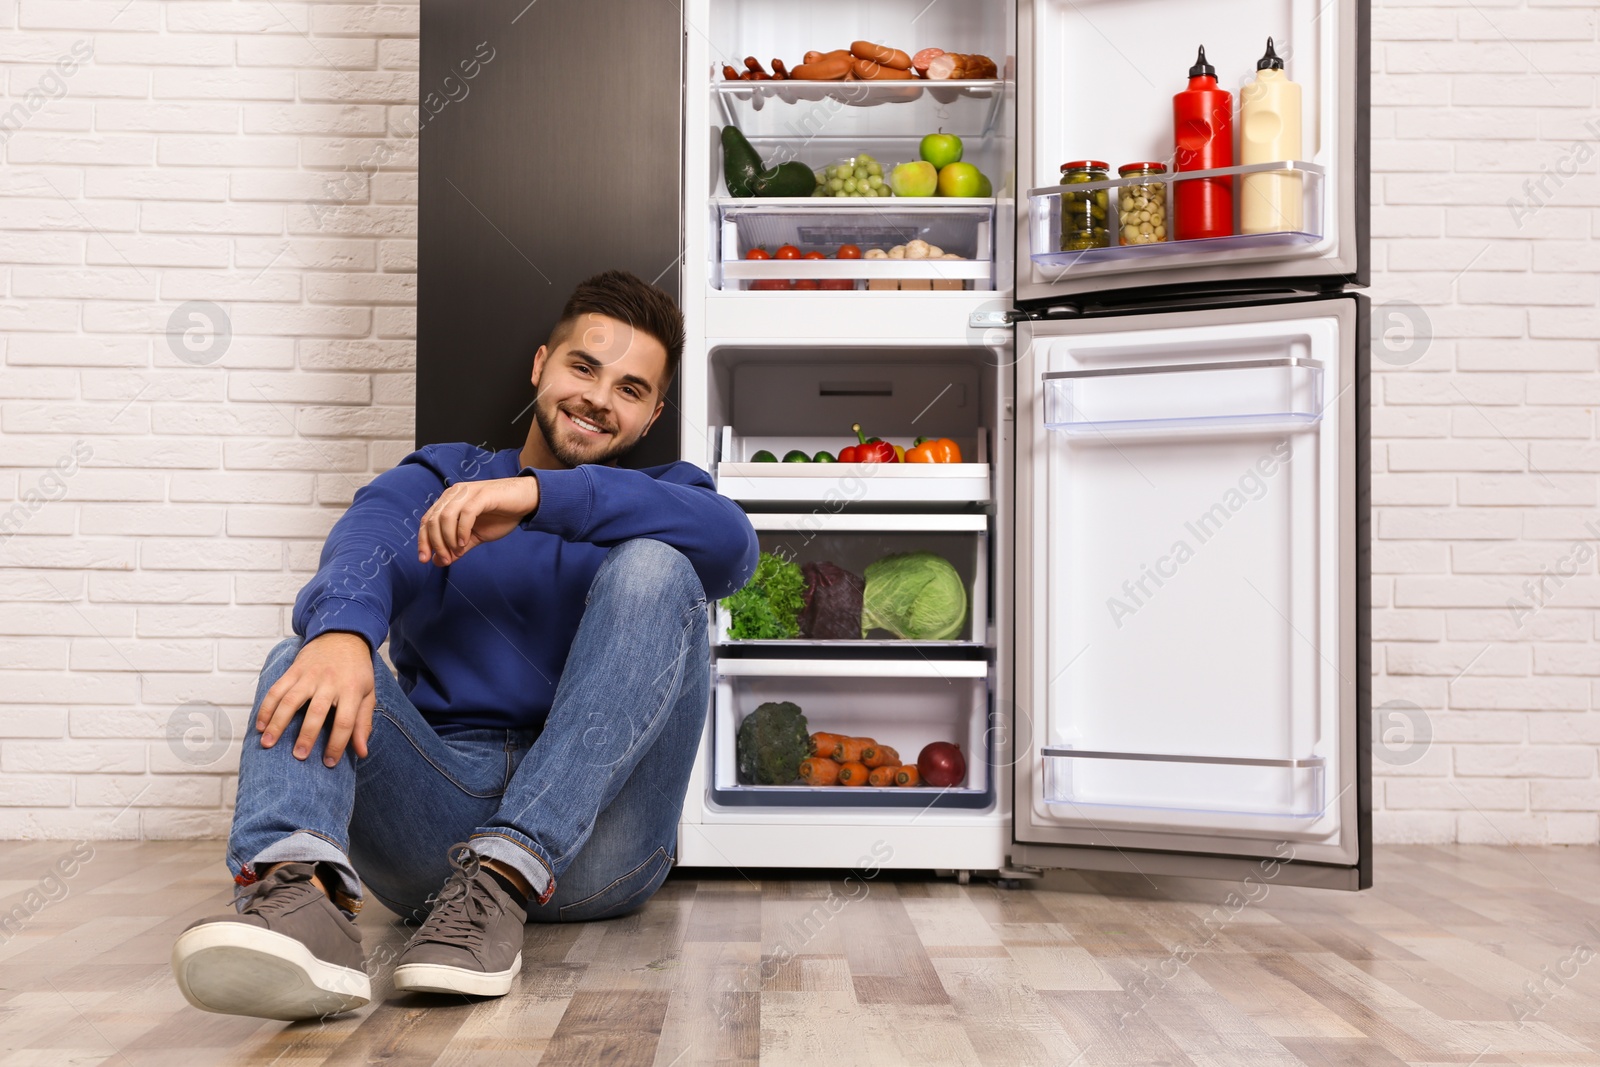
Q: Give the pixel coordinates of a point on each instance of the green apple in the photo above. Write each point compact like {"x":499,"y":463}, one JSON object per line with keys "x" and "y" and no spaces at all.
{"x":984,"y":188}
{"x":960,"y":179}
{"x":915,"y":179}
{"x":941,"y":149}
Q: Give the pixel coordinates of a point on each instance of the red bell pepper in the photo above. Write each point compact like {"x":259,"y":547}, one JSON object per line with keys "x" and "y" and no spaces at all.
{"x":873,"y":451}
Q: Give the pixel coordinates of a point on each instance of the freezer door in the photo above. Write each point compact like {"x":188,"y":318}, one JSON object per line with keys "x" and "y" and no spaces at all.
{"x":1187,"y":564}
{"x":1096,"y":78}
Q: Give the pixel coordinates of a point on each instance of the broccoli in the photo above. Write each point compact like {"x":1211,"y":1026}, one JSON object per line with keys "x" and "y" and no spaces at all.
{"x":773,"y":740}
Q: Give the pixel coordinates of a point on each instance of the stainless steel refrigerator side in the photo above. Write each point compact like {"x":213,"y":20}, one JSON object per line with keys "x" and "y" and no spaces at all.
{"x":1344,"y":865}
{"x":1088,"y":289}
{"x":534,"y":173}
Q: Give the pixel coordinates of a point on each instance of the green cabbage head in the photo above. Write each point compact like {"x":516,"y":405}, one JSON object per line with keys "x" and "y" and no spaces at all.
{"x":914,"y":595}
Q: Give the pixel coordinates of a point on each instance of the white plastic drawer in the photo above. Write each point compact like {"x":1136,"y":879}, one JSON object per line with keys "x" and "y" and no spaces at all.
{"x":905,"y":705}
{"x":853,"y":541}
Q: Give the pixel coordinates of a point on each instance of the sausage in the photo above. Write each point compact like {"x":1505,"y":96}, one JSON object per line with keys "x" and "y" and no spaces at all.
{"x":729,"y":74}
{"x":871,"y":70}
{"x":779,"y":70}
{"x":753,"y":64}
{"x":811,"y":57}
{"x":889,"y":57}
{"x":920,"y":61}
{"x":828,"y":68}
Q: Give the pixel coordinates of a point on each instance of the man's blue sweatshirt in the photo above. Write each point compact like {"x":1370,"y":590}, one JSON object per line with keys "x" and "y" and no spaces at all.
{"x":482,"y":642}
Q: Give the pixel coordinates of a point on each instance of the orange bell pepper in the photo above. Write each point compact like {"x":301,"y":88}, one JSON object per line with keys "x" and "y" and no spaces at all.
{"x":934,"y":450}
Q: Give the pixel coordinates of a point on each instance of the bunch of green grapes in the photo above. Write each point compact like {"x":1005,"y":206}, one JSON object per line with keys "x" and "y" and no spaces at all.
{"x":857,"y":176}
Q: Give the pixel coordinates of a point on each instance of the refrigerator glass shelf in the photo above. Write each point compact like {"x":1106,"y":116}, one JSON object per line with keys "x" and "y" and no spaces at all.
{"x":1281,"y":788}
{"x":801,"y":110}
{"x":904,"y":704}
{"x":1044,"y":213}
{"x":1224,"y":396}
{"x":961,"y":226}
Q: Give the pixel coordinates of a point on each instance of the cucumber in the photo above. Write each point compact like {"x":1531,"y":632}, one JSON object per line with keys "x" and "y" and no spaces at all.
{"x":786,"y":179}
{"x":740,"y":162}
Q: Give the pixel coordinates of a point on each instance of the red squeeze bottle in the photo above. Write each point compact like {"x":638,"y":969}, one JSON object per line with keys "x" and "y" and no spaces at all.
{"x":1202,"y":123}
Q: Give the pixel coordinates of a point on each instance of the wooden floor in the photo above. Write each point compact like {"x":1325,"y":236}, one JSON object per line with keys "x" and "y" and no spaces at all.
{"x":1462,"y":955}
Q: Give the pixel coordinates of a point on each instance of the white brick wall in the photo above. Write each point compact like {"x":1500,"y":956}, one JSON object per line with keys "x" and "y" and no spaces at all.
{"x":1484,"y":451}
{"x":189,"y":150}
{"x":220,"y":151}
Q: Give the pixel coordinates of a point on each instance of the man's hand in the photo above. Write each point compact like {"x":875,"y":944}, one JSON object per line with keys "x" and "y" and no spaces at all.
{"x":332,"y":670}
{"x":469,"y":514}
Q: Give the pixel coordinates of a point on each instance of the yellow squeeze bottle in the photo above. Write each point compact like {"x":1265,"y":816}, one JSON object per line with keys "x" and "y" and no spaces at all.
{"x":1269,"y":131}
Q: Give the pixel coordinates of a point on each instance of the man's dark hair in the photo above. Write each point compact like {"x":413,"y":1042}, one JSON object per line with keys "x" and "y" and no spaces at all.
{"x":627,"y":298}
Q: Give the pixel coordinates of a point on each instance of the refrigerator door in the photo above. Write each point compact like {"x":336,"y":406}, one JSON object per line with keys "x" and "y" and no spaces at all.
{"x":1190,"y":675}
{"x":1096,"y":80}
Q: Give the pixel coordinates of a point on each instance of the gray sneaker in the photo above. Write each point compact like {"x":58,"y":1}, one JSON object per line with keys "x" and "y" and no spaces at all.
{"x":289,"y":953}
{"x":472,"y":940}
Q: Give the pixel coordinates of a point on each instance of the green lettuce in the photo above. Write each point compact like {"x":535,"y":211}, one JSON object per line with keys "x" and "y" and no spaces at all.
{"x":768,"y":607}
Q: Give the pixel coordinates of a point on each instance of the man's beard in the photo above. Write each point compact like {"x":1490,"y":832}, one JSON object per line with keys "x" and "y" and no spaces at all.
{"x":549,"y":419}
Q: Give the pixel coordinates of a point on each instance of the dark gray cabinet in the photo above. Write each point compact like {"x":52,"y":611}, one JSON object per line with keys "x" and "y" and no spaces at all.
{"x":549,"y":151}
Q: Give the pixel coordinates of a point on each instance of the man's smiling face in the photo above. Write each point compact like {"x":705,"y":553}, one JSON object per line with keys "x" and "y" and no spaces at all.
{"x":599,"y":389}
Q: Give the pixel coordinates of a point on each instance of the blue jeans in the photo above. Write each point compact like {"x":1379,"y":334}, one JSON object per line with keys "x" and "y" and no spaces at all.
{"x":586,"y":809}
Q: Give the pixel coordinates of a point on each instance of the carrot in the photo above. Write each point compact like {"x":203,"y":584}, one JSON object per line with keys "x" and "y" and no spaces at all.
{"x":819,"y":772}
{"x":882,"y":775}
{"x":907,"y":775}
{"x":880,"y":756}
{"x":853,"y":773}
{"x":822,"y":743}
{"x":849,"y":749}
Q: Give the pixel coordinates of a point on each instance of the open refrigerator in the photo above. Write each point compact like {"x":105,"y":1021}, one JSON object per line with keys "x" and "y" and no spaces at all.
{"x":1160,"y":520}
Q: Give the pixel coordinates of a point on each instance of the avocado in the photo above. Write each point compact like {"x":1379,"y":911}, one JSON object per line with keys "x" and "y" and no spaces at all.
{"x":740,"y":163}
{"x":786,"y":179}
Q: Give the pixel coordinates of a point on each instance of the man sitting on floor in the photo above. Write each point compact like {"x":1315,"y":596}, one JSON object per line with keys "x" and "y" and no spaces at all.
{"x":547,"y":618}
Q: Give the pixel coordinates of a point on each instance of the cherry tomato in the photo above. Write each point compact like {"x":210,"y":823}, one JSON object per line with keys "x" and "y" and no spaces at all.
{"x":806,"y":283}
{"x":814,"y":255}
{"x":849,"y":252}
{"x":768,"y":284}
{"x":788,"y":252}
{"x":838,"y":283}
{"x":757,"y":253}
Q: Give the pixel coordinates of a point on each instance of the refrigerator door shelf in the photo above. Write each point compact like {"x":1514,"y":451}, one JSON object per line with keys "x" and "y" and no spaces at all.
{"x":1078,"y":97}
{"x":961,"y":226}
{"x":806,"y":109}
{"x":1232,"y":396}
{"x":1044,"y":212}
{"x":1292,"y":789}
{"x":855,"y":541}
{"x":901,"y":704}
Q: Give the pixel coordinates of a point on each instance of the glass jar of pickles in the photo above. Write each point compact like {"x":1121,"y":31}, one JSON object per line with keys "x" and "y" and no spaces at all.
{"x":1085,"y":216}
{"x":1142,"y":206}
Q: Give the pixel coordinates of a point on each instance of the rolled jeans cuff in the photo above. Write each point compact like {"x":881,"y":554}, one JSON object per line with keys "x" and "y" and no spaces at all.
{"x":305,"y":846}
{"x":519,"y":853}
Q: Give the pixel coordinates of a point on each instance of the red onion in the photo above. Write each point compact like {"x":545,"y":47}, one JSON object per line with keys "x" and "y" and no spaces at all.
{"x":941,"y":764}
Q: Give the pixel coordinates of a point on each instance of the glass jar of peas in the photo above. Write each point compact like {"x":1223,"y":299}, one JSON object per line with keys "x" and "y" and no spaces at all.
{"x":1142,"y":206}
{"x":1085,"y":215}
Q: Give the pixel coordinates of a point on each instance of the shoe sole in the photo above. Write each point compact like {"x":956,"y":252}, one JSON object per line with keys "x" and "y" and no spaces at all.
{"x":438,"y":978}
{"x":233,"y":969}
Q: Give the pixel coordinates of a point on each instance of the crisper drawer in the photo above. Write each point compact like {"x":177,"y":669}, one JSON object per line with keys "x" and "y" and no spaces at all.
{"x":896,"y":609}
{"x":905,"y":705}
